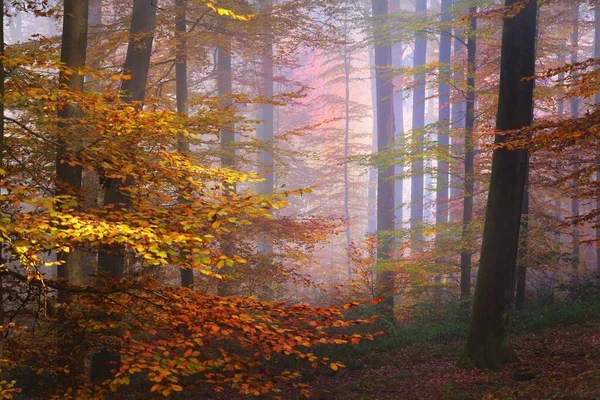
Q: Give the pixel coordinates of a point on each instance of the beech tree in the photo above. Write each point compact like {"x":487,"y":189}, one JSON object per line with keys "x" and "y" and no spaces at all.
{"x":488,"y":343}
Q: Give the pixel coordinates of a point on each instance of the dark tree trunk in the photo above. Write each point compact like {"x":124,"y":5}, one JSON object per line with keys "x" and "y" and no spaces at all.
{"x":443,"y":139}
{"x":181,"y":93}
{"x":466,"y":252}
{"x":2,"y":91}
{"x":418,"y":122}
{"x":137,"y":64}
{"x":385,"y":141}
{"x":488,"y":344}
{"x":68,"y":178}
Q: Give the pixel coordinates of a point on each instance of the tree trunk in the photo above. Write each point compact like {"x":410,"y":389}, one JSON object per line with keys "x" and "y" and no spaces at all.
{"x":597,"y":103}
{"x":488,"y":344}
{"x":418,"y":122}
{"x":522,"y":255}
{"x":265,"y":157}
{"x":2,"y":91}
{"x":68,"y":178}
{"x":181,"y":93}
{"x":443,"y":139}
{"x":574,"y":105}
{"x":457,"y":122}
{"x":346,"y":52}
{"x":137,"y":64}
{"x":385,"y":141}
{"x":466,"y":252}
{"x":225,"y":89}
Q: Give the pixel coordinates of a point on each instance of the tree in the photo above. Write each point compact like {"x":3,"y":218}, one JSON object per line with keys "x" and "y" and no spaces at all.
{"x":488,"y":344}
{"x":442,"y":194}
{"x":68,"y":177}
{"x":469,"y":184}
{"x":418,"y":123}
{"x":574,"y":113}
{"x":597,"y":103}
{"x":137,"y":64}
{"x":385,"y":141}
{"x":181,"y":93}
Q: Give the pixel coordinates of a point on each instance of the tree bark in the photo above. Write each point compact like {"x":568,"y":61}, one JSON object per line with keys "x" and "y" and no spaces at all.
{"x":469,"y":185}
{"x":457,"y":122}
{"x":418,"y":122}
{"x":488,"y":343}
{"x":346,"y":54}
{"x":574,"y":105}
{"x":385,"y":141}
{"x":137,"y":64}
{"x":443,"y":138}
{"x":522,"y":255}
{"x":68,"y":178}
{"x":597,"y":103}
{"x":181,"y":93}
{"x":265,"y":157}
{"x":225,"y":89}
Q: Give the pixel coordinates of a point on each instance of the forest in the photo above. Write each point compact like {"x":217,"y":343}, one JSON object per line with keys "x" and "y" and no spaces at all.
{"x":290,"y":199}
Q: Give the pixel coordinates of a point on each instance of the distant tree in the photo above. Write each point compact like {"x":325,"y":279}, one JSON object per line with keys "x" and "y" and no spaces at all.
{"x":385,"y":141}
{"x":488,"y":343}
{"x":418,"y":123}
{"x":469,"y":183}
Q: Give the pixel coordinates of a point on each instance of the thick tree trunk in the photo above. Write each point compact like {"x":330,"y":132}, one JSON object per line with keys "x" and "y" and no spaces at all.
{"x":68,"y":178}
{"x":488,"y":344}
{"x":397,"y":56}
{"x":385,"y":141}
{"x":418,"y":122}
{"x":466,"y":253}
{"x":137,"y":64}
{"x":181,"y":93}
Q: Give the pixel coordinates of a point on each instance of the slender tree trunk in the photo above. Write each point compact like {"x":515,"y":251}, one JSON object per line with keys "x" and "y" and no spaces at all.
{"x":265,"y":157}
{"x":418,"y":122}
{"x":574,"y":105}
{"x":443,"y":139}
{"x":522,"y":255}
{"x":181,"y":92}
{"x":137,"y":64}
{"x":397,"y":57}
{"x":347,"y":138}
{"x":385,"y":141}
{"x":457,"y":122}
{"x":466,"y":252}
{"x":2,"y":91}
{"x":597,"y":103}
{"x":372,"y":194}
{"x":561,"y":113}
{"x":488,"y":344}
{"x":225,"y":89}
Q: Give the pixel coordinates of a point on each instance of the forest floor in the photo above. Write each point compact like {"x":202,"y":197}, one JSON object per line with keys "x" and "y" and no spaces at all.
{"x":557,"y":362}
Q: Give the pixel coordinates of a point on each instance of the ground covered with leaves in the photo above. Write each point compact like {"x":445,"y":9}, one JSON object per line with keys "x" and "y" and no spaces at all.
{"x":559,"y":358}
